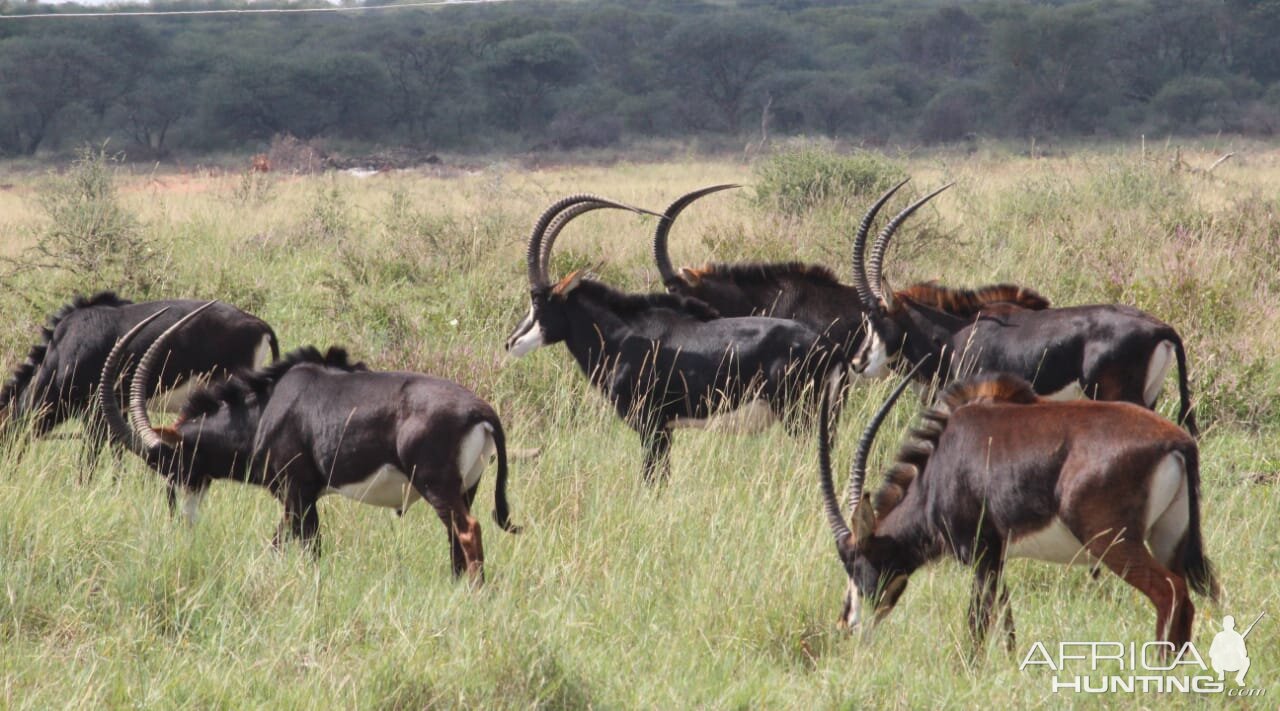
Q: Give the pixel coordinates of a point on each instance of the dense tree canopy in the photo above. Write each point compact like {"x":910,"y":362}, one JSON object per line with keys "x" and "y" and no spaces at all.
{"x":538,"y":73}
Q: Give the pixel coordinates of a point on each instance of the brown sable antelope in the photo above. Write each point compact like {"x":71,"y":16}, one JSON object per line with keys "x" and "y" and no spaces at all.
{"x":1103,"y":351}
{"x":995,"y":472}
{"x":312,"y":425}
{"x":808,"y":293}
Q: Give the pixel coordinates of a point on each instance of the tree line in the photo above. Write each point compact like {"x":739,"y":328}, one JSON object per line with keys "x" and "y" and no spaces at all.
{"x":543,"y":74}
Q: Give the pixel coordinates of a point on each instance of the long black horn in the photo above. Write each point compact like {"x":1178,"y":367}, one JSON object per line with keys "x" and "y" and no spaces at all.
{"x":868,"y":297}
{"x":874,"y":271}
{"x":116,"y":425}
{"x":534,"y":255}
{"x":552,"y":232}
{"x":142,"y":378}
{"x":660,"y":254}
{"x":830,"y":505}
{"x":858,"y":472}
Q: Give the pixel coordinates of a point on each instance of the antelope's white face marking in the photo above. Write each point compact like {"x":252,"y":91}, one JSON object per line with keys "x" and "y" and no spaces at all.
{"x":528,"y":336}
{"x":873,"y":359}
{"x":1054,"y":543}
{"x":853,"y":608}
{"x":1168,"y":512}
{"x":1070,"y":392}
{"x":387,"y":486}
{"x":473,"y":454}
{"x":191,"y":505}
{"x":1157,"y":368}
{"x":755,"y":416}
{"x":262,"y":354}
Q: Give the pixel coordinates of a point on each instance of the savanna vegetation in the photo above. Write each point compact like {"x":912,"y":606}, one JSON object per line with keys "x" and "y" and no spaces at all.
{"x":546,"y":75}
{"x":719,"y":589}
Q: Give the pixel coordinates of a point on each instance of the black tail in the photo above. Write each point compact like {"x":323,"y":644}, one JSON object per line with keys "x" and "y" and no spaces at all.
{"x":1186,"y":417}
{"x":501,"y":512}
{"x":1198,"y":569}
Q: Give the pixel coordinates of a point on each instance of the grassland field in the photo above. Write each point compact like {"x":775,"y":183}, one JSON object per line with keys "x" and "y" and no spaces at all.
{"x":718,"y":590}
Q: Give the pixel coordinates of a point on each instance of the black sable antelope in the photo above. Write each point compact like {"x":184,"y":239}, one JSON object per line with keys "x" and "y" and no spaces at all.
{"x":994,"y":471}
{"x":665,"y":361}
{"x":314,"y":424}
{"x":60,"y":376}
{"x":1104,"y":351}
{"x":808,"y":293}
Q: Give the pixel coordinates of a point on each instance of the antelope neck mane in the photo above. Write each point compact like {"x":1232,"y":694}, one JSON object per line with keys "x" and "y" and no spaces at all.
{"x":626,"y":304}
{"x":914,"y":455}
{"x":756,"y":273}
{"x":259,"y":383}
{"x":968,"y":302}
{"x":23,"y":373}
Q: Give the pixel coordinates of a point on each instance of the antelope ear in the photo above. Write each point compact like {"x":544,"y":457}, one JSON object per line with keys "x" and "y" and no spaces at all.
{"x":691,"y":276}
{"x":169,"y":436}
{"x":568,"y":283}
{"x":864,"y":520}
{"x":888,"y":293}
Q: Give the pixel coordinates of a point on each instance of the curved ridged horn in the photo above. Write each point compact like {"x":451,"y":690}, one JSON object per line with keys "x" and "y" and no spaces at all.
{"x":858,"y":472}
{"x":830,"y":505}
{"x":881,"y":245}
{"x":660,"y":254}
{"x":552,"y":232}
{"x":868,"y":297}
{"x":533,"y":256}
{"x":142,"y":378}
{"x":118,"y":428}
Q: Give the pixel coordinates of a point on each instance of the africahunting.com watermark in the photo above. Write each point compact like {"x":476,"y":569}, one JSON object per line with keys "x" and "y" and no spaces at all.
{"x":1148,"y":668}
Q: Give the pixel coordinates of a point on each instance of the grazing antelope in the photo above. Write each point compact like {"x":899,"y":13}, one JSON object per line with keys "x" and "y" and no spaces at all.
{"x":312,"y":425}
{"x":59,"y":378}
{"x":994,"y":472}
{"x":1104,"y":351}
{"x":808,"y":293}
{"x":663,"y":360}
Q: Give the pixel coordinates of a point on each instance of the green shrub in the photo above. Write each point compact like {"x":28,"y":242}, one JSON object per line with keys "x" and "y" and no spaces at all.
{"x":795,"y":181}
{"x":89,"y":234}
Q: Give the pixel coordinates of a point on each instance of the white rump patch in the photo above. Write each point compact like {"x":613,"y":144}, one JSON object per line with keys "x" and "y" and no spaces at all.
{"x":530,"y":339}
{"x":1070,"y":392}
{"x":473,"y":454}
{"x":388,"y":486}
{"x":262,"y":354}
{"x":1054,"y":543}
{"x":755,"y":416}
{"x":1157,"y":369}
{"x":854,"y":599}
{"x":1168,"y":512}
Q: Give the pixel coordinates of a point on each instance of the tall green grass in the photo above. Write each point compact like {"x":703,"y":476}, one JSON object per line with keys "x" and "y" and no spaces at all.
{"x":719,"y":589}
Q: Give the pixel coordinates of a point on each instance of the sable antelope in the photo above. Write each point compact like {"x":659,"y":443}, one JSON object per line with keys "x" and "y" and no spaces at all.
{"x":312,"y":425}
{"x":808,"y":293}
{"x":994,"y":472}
{"x":1104,"y":351}
{"x":663,"y":360}
{"x":58,"y":379}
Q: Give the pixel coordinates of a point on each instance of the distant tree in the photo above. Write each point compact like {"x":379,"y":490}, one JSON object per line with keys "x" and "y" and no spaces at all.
{"x":39,"y":78}
{"x":421,"y":69}
{"x":522,"y":72}
{"x":1047,"y":64}
{"x":1188,"y":100}
{"x":713,"y":61}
